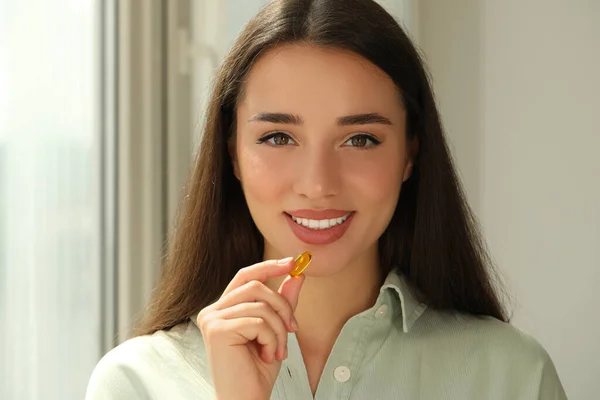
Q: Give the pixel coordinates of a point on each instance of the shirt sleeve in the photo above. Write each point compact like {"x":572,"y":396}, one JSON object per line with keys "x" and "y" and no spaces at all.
{"x":550,"y":386}
{"x":113,"y":381}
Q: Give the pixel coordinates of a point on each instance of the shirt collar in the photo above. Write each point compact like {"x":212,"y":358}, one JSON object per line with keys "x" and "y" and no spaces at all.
{"x":410,"y":306}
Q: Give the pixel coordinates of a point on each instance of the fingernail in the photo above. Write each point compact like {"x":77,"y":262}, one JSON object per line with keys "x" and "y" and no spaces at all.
{"x":294,"y":323}
{"x":285,"y":354}
{"x":284,"y":260}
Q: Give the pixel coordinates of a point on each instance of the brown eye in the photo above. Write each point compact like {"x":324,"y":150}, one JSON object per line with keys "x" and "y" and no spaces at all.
{"x":362,"y":141}
{"x":281,"y":139}
{"x":359,"y":141}
{"x":277,"y":139}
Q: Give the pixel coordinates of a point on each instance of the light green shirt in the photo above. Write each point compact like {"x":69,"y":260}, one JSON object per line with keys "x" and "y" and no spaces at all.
{"x":398,"y":349}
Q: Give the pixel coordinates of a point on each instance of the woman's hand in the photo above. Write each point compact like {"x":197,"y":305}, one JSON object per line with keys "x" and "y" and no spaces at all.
{"x":245,"y":331}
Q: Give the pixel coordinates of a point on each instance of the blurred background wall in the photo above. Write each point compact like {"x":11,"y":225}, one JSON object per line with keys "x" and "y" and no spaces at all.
{"x":101,"y":107}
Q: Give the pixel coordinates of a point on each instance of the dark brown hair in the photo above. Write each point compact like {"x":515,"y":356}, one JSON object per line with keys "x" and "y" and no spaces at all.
{"x":432,"y":239}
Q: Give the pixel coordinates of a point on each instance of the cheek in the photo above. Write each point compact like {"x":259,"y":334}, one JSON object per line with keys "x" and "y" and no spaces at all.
{"x":376,"y":177}
{"x":262,"y":182}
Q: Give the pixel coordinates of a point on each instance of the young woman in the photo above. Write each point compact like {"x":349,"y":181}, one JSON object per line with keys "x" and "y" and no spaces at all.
{"x":322,"y":135}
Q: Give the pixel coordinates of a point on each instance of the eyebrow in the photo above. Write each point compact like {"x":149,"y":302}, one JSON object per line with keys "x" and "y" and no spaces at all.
{"x":355,"y":119}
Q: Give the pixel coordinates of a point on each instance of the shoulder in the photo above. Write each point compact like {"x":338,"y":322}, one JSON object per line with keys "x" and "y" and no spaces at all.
{"x":490,"y":337}
{"x":496,"y":348}
{"x":162,"y":364}
{"x":519,"y":356}
{"x":505,"y":340}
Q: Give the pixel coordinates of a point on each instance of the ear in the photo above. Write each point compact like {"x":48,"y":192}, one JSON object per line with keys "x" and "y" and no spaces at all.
{"x":407,"y":171}
{"x":413,"y":150}
{"x":231,"y":147}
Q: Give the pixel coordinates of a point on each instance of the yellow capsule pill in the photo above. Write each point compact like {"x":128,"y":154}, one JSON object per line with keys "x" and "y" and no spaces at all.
{"x":300,"y":263}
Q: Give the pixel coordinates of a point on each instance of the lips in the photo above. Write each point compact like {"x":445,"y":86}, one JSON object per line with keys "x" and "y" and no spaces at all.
{"x":319,"y":226}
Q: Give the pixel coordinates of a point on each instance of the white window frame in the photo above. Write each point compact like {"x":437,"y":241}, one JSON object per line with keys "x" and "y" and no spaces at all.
{"x":141,"y":158}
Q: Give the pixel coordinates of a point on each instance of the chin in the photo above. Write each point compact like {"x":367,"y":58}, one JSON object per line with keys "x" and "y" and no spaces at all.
{"x":321,"y":268}
{"x":332,"y":259}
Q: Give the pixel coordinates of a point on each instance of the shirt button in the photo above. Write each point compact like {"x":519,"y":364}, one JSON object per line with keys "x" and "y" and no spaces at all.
{"x":342,"y":374}
{"x":381,"y":311}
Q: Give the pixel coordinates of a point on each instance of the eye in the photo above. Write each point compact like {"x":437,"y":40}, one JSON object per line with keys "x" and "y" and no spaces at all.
{"x":277,"y":139}
{"x":362,"y":141}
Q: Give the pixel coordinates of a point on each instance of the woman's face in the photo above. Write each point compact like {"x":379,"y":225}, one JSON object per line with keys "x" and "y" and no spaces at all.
{"x":321,"y":152}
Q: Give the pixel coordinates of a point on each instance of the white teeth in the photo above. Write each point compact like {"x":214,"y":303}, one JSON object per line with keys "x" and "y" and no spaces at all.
{"x":318,"y":224}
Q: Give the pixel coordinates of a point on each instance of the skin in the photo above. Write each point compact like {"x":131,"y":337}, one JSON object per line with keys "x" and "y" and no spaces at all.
{"x":316,"y":163}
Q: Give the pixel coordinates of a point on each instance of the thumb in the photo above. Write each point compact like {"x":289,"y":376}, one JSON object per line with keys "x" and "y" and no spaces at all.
{"x":290,"y":289}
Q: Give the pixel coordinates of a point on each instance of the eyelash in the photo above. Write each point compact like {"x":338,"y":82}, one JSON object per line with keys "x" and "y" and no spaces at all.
{"x":272,"y":135}
{"x":374,"y":141}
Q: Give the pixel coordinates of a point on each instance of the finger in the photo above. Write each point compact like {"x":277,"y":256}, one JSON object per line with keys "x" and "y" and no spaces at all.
{"x":240,"y":332}
{"x":290,"y":289}
{"x":252,"y":328}
{"x":261,"y":272}
{"x":254,"y":292}
{"x":264,"y":311}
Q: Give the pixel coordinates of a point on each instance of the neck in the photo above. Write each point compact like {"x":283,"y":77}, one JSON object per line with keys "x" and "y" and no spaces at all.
{"x":327,"y":303}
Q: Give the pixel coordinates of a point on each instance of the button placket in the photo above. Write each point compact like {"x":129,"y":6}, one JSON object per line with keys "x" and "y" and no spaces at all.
{"x":342,"y":374}
{"x":344,"y":360}
{"x":294,"y":372}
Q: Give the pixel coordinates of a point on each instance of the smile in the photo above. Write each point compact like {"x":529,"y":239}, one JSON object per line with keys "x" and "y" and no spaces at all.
{"x":319,"y":227}
{"x":319,"y":224}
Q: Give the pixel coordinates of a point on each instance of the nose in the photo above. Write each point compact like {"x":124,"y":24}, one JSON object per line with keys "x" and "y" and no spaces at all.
{"x":318,"y":175}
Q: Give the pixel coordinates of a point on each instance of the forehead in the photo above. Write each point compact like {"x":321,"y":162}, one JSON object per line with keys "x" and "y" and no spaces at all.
{"x":317,"y":81}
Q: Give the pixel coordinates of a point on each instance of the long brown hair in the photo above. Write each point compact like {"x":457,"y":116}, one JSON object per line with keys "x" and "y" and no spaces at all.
{"x":432,"y":239}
